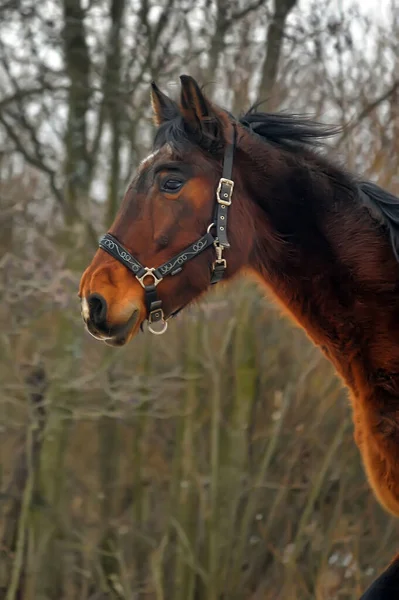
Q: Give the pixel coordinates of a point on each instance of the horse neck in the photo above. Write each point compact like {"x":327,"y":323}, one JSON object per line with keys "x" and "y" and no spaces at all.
{"x":321,"y":254}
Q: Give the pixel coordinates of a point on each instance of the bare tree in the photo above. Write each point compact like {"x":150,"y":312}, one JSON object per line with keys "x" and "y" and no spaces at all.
{"x":274,"y":42}
{"x":155,"y":474}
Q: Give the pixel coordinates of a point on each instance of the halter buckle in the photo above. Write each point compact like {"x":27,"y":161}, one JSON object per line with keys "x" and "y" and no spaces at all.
{"x":219,"y":253}
{"x":149,"y":273}
{"x":224,"y":191}
{"x":219,"y":266}
{"x":220,"y":262}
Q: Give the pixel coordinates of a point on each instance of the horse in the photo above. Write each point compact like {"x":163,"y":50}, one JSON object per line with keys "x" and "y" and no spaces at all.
{"x":221,"y":196}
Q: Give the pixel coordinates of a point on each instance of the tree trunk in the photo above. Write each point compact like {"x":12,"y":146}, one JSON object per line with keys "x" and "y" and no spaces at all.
{"x":114,"y":106}
{"x":77,"y":64}
{"x":275,"y":36}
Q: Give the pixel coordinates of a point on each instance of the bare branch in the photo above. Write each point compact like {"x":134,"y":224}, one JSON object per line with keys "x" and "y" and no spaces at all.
{"x":22,"y":94}
{"x":240,"y":14}
{"x":33,"y":160}
{"x":368,"y":109}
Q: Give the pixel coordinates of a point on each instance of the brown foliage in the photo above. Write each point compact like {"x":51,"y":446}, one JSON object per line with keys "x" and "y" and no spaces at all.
{"x":150,"y":472}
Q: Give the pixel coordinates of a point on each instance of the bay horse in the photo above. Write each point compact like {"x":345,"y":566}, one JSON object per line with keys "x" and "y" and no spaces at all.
{"x":220,"y":196}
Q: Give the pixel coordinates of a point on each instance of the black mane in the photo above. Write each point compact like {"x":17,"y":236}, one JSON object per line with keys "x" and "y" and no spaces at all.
{"x":289,"y":131}
{"x":384,"y":207}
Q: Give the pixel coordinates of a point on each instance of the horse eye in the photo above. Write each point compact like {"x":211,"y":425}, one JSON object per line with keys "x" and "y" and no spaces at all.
{"x":171,"y":185}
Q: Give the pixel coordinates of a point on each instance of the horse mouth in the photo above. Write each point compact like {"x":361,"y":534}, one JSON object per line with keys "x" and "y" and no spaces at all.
{"x":116,"y":335}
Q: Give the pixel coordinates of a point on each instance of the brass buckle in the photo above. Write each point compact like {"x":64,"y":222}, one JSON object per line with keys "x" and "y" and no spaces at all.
{"x":226,"y":200}
{"x":149,"y":273}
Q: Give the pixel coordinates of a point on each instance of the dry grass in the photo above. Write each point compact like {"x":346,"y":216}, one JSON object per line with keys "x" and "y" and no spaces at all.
{"x":216,"y":462}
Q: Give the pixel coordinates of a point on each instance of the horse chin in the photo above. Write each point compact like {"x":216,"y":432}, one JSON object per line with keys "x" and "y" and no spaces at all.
{"x":116,"y":342}
{"x":125,"y":336}
{"x":121,"y":340}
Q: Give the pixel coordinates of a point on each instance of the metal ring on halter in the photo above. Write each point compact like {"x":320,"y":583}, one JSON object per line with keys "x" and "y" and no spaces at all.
{"x":161,"y":331}
{"x":210,"y":227}
{"x":149,"y":273}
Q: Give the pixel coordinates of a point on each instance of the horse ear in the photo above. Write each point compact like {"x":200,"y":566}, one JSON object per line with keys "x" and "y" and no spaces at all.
{"x":164,"y":108}
{"x":196,"y":109}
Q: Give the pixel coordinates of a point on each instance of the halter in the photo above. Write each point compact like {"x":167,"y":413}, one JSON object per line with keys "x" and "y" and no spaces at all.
{"x":157,"y":323}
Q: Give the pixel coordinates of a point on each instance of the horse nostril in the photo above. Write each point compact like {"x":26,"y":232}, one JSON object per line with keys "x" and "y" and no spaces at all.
{"x":97,"y":309}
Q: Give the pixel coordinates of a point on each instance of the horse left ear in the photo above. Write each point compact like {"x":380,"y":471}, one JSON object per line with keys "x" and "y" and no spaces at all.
{"x":197,"y":110}
{"x":164,"y":109}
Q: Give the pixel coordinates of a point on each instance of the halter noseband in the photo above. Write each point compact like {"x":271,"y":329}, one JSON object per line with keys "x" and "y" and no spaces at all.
{"x":157,"y":323}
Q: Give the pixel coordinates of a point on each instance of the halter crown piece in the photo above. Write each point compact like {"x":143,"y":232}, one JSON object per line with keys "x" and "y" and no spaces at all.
{"x":149,"y":277}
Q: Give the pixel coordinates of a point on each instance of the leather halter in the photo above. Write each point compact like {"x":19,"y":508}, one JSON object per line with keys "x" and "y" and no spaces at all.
{"x":157,"y":323}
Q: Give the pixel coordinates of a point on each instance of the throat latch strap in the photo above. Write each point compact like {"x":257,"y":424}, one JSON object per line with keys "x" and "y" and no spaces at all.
{"x":224,"y":194}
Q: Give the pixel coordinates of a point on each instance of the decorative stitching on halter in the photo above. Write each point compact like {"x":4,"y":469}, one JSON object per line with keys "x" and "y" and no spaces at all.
{"x":125,"y":256}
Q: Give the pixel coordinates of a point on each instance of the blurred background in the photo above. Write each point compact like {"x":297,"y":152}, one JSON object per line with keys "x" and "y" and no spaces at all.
{"x":218,"y":461}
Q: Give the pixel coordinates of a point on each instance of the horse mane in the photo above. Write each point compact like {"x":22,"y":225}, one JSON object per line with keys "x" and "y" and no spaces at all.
{"x":296,"y":133}
{"x":384,"y":207}
{"x":289,"y":131}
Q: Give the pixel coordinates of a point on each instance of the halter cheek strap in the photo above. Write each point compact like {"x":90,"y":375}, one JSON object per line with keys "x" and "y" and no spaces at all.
{"x":149,"y":278}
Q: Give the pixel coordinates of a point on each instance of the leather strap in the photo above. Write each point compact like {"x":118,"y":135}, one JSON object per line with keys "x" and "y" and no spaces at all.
{"x":153,"y":303}
{"x":115,"y":249}
{"x":175,"y":264}
{"x":171,"y":267}
{"x":218,"y":272}
{"x":224,"y":193}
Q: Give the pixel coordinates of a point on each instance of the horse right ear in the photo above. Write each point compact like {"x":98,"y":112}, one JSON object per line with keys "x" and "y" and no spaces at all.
{"x":164,"y":108}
